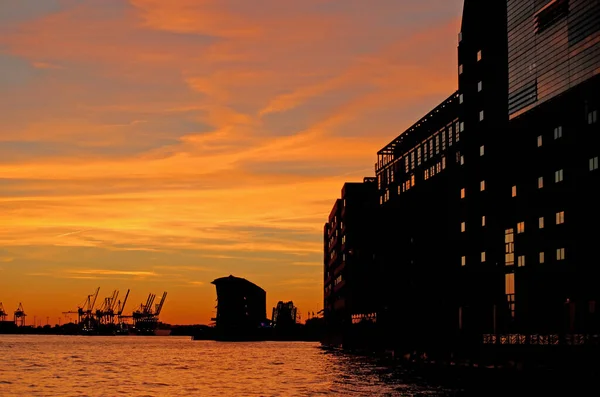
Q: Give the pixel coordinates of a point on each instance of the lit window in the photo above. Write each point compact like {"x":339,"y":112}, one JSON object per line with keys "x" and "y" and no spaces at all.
{"x":520,"y":227}
{"x":558,"y":176}
{"x":541,"y":222}
{"x":463,"y":261}
{"x":463,"y":227}
{"x":593,"y":117}
{"x":481,"y":115}
{"x":479,"y":86}
{"x":558,"y":132}
{"x":482,"y":186}
{"x":560,"y":254}
{"x":460,"y":98}
{"x":509,"y":243}
{"x":462,"y":126}
{"x":521,"y":260}
{"x":539,"y":141}
{"x":540,"y":182}
{"x":482,"y":257}
{"x":514,"y":191}
{"x":478,"y":55}
{"x":481,"y":150}
{"x":443,"y":163}
{"x":462,"y":160}
{"x":594,"y":164}
{"x":460,"y":69}
{"x":463,"y":193}
{"x":560,"y":218}
{"x":542,"y":257}
{"x":483,"y":220}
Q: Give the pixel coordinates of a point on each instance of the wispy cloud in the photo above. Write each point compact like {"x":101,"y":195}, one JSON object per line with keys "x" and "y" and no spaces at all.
{"x":211,"y":135}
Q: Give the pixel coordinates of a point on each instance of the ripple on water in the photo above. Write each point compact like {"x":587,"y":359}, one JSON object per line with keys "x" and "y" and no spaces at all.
{"x":148,"y":367}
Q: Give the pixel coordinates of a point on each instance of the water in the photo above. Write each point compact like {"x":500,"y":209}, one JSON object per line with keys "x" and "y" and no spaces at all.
{"x":177,"y":366}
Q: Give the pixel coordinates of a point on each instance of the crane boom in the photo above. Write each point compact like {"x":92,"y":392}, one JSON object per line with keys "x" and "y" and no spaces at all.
{"x":94,"y":300}
{"x":162,"y":302}
{"x":124,"y":302}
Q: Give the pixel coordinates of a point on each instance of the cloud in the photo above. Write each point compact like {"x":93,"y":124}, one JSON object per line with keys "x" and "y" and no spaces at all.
{"x":186,"y":136}
{"x":45,"y":65}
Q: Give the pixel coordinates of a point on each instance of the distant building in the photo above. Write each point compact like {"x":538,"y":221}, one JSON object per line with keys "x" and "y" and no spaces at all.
{"x":241,"y":306}
{"x":350,"y":291}
{"x":284,"y":315}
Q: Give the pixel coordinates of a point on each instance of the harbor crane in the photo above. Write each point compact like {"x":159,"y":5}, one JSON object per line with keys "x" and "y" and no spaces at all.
{"x":2,"y":312}
{"x":145,"y":319}
{"x":85,"y":312}
{"x":20,"y":316}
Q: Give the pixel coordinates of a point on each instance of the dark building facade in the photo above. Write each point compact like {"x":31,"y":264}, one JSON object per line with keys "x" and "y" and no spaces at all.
{"x":284,"y":315}
{"x":350,"y":292}
{"x":241,"y":306}
{"x":488,"y":205}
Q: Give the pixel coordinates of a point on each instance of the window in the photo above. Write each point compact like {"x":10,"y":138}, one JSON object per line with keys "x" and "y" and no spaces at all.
{"x":481,"y":115}
{"x":558,"y":176}
{"x":479,"y":86}
{"x":481,"y":150}
{"x":483,"y":220}
{"x":510,"y":283}
{"x":462,"y":126}
{"x":344,"y":257}
{"x":460,"y":69}
{"x":541,"y":222}
{"x":419,"y":155}
{"x":460,"y":36}
{"x":521,"y":261}
{"x":478,"y":55}
{"x":460,"y":98}
{"x":560,"y":218}
{"x":443,"y":139}
{"x":594,"y":164}
{"x":463,"y":261}
{"x":443,"y":162}
{"x":437,"y":144}
{"x":457,"y":130}
{"x":541,"y":257}
{"x":483,"y":257}
{"x":412,"y":160}
{"x":509,"y":243}
{"x":539,"y":141}
{"x":431,"y":148}
{"x":540,"y":182}
{"x":463,"y":227}
{"x":593,"y":117}
{"x":514,"y":191}
{"x":558,"y":132}
{"x":462,"y":160}
{"x":482,"y":186}
{"x":520,"y":227}
{"x":560,"y":254}
{"x":463,"y":193}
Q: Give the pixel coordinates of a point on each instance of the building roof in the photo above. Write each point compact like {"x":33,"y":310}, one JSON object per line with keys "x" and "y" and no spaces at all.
{"x":242,"y":282}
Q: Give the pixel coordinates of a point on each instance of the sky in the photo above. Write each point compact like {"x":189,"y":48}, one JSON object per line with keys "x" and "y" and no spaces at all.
{"x":157,"y":145}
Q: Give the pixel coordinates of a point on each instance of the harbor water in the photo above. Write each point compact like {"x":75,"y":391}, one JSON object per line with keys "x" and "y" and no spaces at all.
{"x":35,"y":365}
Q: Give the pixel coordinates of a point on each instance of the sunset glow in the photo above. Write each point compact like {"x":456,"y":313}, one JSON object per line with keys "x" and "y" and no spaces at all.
{"x":157,"y":145}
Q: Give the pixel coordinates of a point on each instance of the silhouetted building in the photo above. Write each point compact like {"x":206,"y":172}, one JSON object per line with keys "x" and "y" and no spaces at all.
{"x":284,"y":315}
{"x":349,"y":247}
{"x":241,"y":306}
{"x":488,"y":204}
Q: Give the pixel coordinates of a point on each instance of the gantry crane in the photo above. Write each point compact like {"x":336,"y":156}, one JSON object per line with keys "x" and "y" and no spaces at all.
{"x":85,"y":312}
{"x":20,"y":316}
{"x":145,"y":319}
{"x":2,"y":312}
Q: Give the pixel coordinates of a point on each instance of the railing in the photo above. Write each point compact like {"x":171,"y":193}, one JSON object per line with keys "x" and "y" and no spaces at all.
{"x":541,"y":340}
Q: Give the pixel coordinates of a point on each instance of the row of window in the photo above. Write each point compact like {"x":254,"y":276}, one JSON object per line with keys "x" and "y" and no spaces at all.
{"x":559,"y":220}
{"x":560,"y":256}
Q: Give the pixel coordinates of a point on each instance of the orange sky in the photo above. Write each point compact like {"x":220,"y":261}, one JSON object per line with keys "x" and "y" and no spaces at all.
{"x":157,"y":145}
